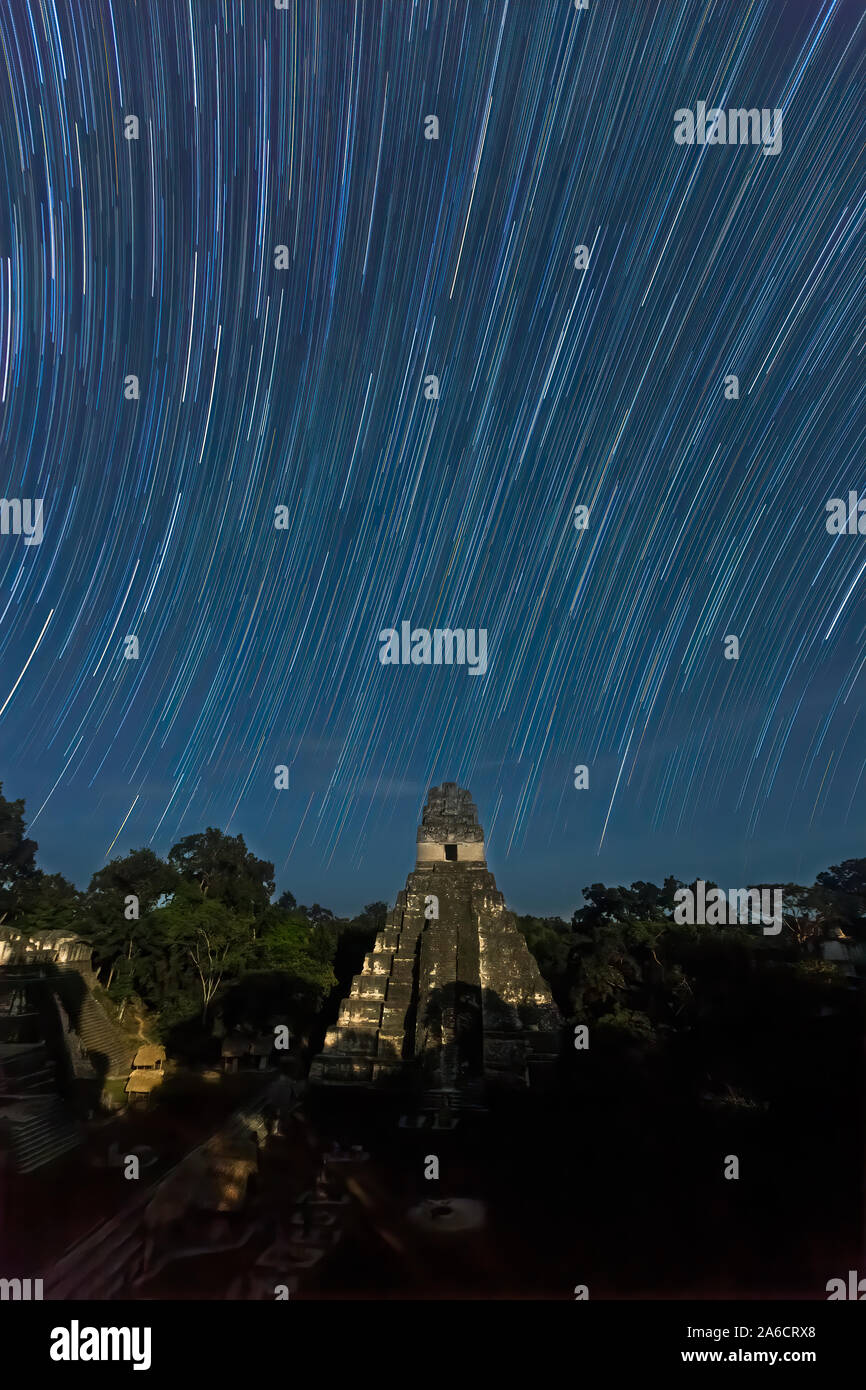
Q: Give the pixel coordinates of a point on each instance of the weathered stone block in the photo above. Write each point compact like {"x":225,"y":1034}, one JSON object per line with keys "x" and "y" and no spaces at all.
{"x":359,"y":1011}
{"x":369,"y":986}
{"x":400,"y":989}
{"x":393,"y":1018}
{"x":360,"y":1038}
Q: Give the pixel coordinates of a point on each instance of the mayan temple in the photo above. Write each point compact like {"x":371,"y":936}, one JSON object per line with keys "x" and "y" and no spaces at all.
{"x":450,"y":997}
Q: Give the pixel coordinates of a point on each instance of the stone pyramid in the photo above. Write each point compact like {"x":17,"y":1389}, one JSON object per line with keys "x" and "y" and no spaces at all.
{"x":450,"y":996}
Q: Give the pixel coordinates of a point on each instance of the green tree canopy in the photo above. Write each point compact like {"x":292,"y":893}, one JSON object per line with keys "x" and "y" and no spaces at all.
{"x":17,"y":856}
{"x":222,"y":867}
{"x":48,"y":902}
{"x":114,"y":924}
{"x":207,"y":943}
{"x":843,"y":897}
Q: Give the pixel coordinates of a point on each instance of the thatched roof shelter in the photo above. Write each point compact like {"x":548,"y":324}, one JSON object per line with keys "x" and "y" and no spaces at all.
{"x":150,"y":1055}
{"x":141,"y":1083}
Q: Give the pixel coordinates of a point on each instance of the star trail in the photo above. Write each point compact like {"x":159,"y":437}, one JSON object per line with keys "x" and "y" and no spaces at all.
{"x":305,"y":388}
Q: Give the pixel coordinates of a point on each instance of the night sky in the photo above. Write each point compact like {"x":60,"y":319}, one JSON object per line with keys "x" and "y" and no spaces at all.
{"x":558,"y":387}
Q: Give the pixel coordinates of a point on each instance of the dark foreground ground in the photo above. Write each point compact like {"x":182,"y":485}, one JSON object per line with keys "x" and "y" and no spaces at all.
{"x":629,"y":1200}
{"x":620,"y":1188}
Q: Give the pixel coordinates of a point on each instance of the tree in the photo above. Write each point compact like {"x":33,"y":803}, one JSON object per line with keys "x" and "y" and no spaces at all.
{"x":17,"y":856}
{"x":287,"y":975}
{"x":843,"y":899}
{"x":293,"y":948}
{"x":48,"y":902}
{"x":114,"y":924}
{"x":222,"y":867}
{"x":549,"y":940}
{"x":206,"y":934}
{"x":373,"y":917}
{"x":803,"y":910}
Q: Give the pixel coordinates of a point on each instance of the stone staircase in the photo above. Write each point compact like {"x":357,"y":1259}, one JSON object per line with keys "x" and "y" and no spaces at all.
{"x":25,"y":1070}
{"x":38,"y":1130}
{"x":100,"y":1037}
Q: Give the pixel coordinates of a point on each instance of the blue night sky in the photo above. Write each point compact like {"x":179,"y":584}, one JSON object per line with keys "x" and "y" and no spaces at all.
{"x":304,"y":388}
